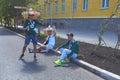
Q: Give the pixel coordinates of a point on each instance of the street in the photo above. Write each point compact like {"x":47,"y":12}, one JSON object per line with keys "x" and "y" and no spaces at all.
{"x":11,"y":68}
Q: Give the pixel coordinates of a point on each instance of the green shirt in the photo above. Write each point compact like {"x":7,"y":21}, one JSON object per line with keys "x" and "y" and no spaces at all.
{"x":32,"y":25}
{"x":73,"y":46}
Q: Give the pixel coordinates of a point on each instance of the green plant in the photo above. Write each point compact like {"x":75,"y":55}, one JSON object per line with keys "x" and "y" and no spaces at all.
{"x":58,"y":37}
{"x":43,"y":35}
{"x":104,"y":25}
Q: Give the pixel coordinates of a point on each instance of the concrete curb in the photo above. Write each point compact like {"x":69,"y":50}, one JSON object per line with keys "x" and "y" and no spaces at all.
{"x":100,"y":72}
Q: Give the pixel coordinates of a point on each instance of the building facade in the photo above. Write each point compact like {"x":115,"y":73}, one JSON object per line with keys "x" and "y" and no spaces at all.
{"x":81,"y":13}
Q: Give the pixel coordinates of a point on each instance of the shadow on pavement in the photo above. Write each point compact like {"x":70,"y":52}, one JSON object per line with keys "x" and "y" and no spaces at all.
{"x":49,"y":53}
{"x":32,"y":67}
{"x":70,"y":65}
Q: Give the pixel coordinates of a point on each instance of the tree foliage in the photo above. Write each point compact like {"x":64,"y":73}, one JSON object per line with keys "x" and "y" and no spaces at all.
{"x":7,"y":7}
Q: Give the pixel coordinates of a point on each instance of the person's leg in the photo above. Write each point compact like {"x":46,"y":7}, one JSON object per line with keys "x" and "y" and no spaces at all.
{"x":34,"y":40}
{"x":48,"y":47}
{"x":64,"y":54}
{"x":74,"y":55}
{"x":23,"y":51}
{"x":34,"y":50}
{"x":38,"y":50}
{"x":27,"y":41}
{"x":43,"y":47}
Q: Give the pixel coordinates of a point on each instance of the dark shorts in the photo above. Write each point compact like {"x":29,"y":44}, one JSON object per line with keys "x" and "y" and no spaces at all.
{"x":28,"y":38}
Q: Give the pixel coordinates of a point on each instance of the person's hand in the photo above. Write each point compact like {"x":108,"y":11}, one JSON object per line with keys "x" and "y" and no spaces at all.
{"x":26,"y":29}
{"x":56,"y":49}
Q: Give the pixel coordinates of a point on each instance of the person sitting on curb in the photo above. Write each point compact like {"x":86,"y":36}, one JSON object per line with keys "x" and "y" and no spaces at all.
{"x":71,"y":52}
{"x":49,"y":43}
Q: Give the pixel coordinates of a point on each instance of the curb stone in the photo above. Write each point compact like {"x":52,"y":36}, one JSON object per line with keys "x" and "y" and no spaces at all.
{"x":100,"y":72}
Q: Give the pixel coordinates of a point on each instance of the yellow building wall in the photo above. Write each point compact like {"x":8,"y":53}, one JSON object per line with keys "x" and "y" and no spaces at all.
{"x":94,"y":9}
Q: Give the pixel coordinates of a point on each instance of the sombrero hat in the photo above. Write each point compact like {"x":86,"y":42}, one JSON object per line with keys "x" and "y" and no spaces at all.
{"x":31,"y":11}
{"x":49,"y":29}
{"x":46,"y":30}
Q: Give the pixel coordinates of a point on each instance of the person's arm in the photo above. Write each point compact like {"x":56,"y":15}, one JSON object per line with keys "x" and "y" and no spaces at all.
{"x":38,"y":24}
{"x":63,"y":45}
{"x":54,"y":30}
{"x":45,"y":42}
{"x":74,"y":48}
{"x":25,"y":25}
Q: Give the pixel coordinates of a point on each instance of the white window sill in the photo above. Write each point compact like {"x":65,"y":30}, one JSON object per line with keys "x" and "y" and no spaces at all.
{"x":104,"y":8}
{"x":84,"y":10}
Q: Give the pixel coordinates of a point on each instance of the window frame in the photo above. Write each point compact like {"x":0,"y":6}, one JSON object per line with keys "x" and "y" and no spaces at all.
{"x":45,"y":9}
{"x":104,"y":4}
{"x":49,"y":8}
{"x":63,"y":5}
{"x":56,"y":7}
{"x":84,"y":5}
{"x":74,"y":5}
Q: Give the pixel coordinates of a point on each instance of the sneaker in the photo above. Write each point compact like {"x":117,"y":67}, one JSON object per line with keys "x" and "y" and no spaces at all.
{"x":65,"y":61}
{"x":58,"y":62}
{"x":30,"y":50}
{"x":21,"y":56}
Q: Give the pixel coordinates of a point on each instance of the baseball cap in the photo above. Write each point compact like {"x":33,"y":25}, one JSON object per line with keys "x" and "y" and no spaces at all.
{"x":70,"y":34}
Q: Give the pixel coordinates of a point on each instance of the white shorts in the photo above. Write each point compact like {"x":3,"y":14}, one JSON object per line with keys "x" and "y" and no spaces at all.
{"x":49,"y":46}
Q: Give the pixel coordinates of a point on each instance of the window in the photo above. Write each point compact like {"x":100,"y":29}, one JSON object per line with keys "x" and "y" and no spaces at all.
{"x":104,"y":4}
{"x":49,"y":9}
{"x":45,"y":0}
{"x":57,"y":7}
{"x":74,"y":4}
{"x":45,"y":9}
{"x":84,"y":5}
{"x":63,"y":5}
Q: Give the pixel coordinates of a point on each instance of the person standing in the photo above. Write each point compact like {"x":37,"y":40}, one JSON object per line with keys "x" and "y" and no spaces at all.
{"x":30,"y":25}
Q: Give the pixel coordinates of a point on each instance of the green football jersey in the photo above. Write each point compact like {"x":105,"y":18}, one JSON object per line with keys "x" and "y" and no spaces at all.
{"x":32,"y":26}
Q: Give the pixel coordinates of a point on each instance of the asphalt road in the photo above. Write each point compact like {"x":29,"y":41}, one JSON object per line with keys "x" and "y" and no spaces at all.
{"x":11,"y":68}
